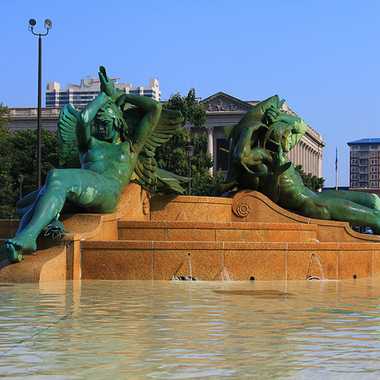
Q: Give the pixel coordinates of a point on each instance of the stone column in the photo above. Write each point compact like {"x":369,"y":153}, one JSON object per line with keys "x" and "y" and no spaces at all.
{"x":299,"y":153}
{"x":304,"y":157}
{"x":210,"y":148}
{"x":317,"y":164}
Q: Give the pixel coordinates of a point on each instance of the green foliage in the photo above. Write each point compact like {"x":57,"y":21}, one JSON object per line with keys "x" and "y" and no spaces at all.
{"x":18,"y":162}
{"x":311,"y":181}
{"x":3,"y":114}
{"x":24,"y":145}
{"x":207,"y":185}
{"x":173,"y":155}
{"x":6,"y":189}
{"x":192,"y":111}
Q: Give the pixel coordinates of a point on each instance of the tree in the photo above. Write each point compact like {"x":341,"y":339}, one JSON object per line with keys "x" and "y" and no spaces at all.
{"x":3,"y":115}
{"x":311,"y":181}
{"x":18,"y":162}
{"x":173,"y":155}
{"x":24,"y":156}
{"x":190,"y":107}
{"x":6,"y":188}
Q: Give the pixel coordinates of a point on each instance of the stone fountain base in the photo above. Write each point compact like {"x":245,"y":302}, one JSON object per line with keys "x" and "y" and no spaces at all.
{"x":246,"y":237}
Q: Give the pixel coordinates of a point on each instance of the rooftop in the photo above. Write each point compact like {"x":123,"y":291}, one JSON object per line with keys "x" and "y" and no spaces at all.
{"x":375,"y":140}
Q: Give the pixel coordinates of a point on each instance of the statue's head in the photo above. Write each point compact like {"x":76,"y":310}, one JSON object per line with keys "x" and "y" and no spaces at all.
{"x":283,"y":129}
{"x":109,"y":123}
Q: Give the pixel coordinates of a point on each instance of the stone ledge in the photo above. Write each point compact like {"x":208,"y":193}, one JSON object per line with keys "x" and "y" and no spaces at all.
{"x":226,"y":245}
{"x":191,"y":199}
{"x":215,"y":225}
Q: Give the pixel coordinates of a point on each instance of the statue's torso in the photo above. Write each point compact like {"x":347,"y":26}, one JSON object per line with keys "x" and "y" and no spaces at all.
{"x":110,"y":159}
{"x":293,"y":193}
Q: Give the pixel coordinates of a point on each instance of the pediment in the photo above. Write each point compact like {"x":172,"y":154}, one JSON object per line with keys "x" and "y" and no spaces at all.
{"x":224,"y":102}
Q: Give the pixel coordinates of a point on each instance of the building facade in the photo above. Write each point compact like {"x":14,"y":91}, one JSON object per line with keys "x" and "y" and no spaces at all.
{"x":365,"y":164}
{"x":80,"y":94}
{"x":224,"y":110}
{"x":26,"y":118}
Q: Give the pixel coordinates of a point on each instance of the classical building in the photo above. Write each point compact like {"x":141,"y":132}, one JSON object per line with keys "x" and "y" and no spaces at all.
{"x":80,"y":94}
{"x":26,"y":118}
{"x":224,"y":110}
{"x":365,"y":164}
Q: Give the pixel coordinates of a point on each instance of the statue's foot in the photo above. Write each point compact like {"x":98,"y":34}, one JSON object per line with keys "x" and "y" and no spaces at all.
{"x":54,"y":230}
{"x":11,"y":252}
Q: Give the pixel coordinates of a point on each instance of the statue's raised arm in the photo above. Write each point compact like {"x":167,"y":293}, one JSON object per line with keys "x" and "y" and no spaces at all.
{"x":150,"y":110}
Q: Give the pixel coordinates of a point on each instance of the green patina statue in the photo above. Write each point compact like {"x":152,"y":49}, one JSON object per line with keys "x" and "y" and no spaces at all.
{"x":258,"y":160}
{"x":116,"y":135}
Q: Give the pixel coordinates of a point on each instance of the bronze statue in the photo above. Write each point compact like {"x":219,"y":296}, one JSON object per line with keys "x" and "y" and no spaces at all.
{"x":258,"y":160}
{"x":117,"y":135}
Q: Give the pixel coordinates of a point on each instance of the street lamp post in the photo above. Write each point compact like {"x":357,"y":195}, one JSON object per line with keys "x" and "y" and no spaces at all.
{"x":190,"y":152}
{"x":20,"y":180}
{"x":48,"y":25}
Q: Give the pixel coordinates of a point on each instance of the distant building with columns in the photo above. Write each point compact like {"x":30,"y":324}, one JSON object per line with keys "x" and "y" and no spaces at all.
{"x":224,"y":110}
{"x":26,"y":118}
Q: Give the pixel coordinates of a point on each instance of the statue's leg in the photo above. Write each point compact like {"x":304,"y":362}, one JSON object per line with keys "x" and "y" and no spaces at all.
{"x":28,"y":200}
{"x":26,"y":214}
{"x":369,"y":200}
{"x":345,"y":210}
{"x":83,"y":187}
{"x":25,"y":203}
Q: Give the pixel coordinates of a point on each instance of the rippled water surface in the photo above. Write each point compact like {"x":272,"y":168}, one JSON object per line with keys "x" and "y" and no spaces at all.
{"x":190,"y":330}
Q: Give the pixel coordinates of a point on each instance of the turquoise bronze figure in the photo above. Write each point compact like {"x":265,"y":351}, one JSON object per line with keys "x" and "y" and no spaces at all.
{"x":258,"y":160}
{"x":116,"y":135}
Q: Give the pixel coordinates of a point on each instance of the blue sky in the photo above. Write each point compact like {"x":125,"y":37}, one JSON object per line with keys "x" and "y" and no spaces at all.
{"x":322,"y":56}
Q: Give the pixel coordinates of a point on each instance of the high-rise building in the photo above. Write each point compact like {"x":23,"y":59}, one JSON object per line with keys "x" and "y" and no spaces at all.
{"x":365,"y":163}
{"x":80,"y":94}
